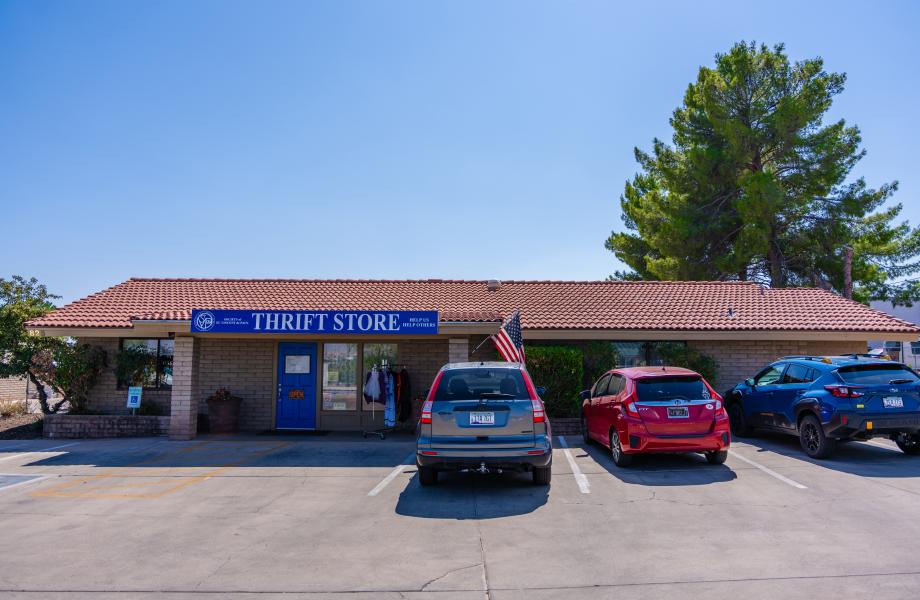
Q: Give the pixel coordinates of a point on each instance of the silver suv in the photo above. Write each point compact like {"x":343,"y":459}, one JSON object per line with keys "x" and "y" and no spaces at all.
{"x":484,"y":416}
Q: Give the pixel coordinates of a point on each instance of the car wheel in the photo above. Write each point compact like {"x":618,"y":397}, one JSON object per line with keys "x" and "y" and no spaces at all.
{"x":542,"y":475}
{"x":584,"y":430}
{"x":909,"y":443}
{"x":620,"y":458}
{"x":814,"y":442}
{"x":737,"y":421}
{"x":717,"y":458}
{"x":427,"y":476}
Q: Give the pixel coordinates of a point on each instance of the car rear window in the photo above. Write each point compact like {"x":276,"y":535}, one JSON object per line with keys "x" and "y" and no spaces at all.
{"x":877,"y":374}
{"x":669,"y":388}
{"x":466,"y":384}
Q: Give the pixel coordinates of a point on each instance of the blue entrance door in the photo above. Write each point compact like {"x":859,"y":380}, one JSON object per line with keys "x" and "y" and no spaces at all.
{"x":296,"y":402}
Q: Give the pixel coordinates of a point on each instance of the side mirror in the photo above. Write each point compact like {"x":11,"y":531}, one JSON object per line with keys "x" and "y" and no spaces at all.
{"x":541,"y":389}
{"x":585,"y":395}
{"x":750,"y":382}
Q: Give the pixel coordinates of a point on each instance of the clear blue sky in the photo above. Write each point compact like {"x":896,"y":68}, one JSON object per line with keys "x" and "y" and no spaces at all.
{"x":379,"y":139}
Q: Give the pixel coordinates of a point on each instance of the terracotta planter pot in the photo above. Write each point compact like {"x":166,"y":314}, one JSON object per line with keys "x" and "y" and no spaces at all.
{"x":224,"y":415}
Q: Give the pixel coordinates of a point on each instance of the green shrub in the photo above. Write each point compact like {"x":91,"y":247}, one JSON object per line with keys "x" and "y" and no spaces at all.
{"x":680,"y":355}
{"x":560,"y":370}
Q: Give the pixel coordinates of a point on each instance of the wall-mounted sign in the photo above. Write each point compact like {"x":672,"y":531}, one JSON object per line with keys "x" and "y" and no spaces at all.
{"x":375,"y":322}
{"x":134,"y":396}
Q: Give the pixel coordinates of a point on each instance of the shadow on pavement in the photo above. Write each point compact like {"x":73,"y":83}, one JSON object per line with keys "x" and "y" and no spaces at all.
{"x":340,"y":451}
{"x":659,"y":469}
{"x":855,"y":458}
{"x":461,"y":496}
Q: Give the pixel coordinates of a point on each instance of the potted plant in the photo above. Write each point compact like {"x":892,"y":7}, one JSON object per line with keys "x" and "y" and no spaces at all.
{"x":223,"y":411}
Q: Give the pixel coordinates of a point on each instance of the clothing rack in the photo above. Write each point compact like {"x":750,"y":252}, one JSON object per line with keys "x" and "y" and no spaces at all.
{"x":382,"y":431}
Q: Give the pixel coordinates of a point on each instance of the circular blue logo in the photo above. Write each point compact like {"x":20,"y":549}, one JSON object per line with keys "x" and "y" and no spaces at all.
{"x":204,"y":321}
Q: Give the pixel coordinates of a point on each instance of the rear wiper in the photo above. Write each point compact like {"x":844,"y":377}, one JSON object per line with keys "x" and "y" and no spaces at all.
{"x":496,"y":395}
{"x":896,"y":381}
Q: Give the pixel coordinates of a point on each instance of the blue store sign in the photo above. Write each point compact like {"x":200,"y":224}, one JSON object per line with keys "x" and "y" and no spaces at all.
{"x":389,"y":322}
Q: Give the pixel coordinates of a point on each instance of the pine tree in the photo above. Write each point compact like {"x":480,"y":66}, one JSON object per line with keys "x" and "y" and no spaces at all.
{"x":755,"y":186}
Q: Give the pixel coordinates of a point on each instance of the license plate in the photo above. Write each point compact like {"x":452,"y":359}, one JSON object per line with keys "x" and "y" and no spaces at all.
{"x":680,"y":412}
{"x":892,"y":402}
{"x":482,"y":418}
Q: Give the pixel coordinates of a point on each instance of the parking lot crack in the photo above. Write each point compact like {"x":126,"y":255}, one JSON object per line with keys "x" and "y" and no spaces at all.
{"x":425,"y":587}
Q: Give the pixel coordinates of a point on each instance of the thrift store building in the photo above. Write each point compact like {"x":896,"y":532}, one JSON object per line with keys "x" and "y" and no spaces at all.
{"x":297,"y":351}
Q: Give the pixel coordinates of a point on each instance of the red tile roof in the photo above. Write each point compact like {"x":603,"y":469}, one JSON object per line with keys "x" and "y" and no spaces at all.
{"x":614,"y":305}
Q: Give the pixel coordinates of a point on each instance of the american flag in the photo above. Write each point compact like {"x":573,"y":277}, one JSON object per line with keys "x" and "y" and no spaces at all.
{"x":509,"y":341}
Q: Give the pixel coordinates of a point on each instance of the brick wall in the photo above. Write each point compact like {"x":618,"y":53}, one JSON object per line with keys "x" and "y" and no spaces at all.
{"x":246,"y":367}
{"x":423,"y":360}
{"x":13,"y":388}
{"x":740,"y":359}
{"x":103,"y":426}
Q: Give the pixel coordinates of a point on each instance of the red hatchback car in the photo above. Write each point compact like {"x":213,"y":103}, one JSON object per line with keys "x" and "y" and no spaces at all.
{"x":640,"y":410}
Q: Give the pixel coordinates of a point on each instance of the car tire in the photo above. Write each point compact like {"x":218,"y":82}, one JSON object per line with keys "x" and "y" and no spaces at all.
{"x":542,"y":475}
{"x":814,"y":442}
{"x":427,"y":476}
{"x":737,"y":421}
{"x":717,"y":458}
{"x":909,"y":443}
{"x":584,"y":430}
{"x":620,"y":458}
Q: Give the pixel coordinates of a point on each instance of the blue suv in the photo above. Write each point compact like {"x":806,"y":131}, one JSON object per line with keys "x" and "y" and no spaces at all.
{"x":824,"y":399}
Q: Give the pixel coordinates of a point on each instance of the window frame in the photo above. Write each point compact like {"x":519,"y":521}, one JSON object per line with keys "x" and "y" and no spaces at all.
{"x":808,"y":371}
{"x":321,"y":384}
{"x":779,"y":380}
{"x":159,"y":385}
{"x":596,"y":388}
{"x":361,"y":407}
{"x":615,"y":385}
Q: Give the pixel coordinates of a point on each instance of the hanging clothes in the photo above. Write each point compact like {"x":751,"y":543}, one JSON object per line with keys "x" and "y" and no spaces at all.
{"x":382,"y":383}
{"x":373,"y":391}
{"x":389,"y":413}
{"x":405,"y":396}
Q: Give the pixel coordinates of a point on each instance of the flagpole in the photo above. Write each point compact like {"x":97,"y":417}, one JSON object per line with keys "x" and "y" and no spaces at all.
{"x":480,"y":344}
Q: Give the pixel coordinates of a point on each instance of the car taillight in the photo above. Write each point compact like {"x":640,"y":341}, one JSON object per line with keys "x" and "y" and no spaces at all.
{"x":425,"y":417}
{"x":844,"y":391}
{"x":426,"y":412}
{"x":631,"y":409}
{"x":539,"y":413}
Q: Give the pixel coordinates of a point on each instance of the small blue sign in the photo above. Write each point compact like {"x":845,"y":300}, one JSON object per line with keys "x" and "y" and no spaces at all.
{"x":335,"y":322}
{"x":134,"y":396}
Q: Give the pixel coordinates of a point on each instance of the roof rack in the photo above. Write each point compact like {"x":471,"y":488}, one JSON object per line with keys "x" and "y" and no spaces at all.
{"x":853,"y":355}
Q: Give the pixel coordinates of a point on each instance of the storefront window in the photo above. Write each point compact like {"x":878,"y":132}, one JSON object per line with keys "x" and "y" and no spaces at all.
{"x":151,"y":362}
{"x":340,"y":384}
{"x":378,"y":355}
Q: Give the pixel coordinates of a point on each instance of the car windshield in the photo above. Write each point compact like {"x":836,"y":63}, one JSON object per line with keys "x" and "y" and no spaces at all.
{"x":668,"y":388}
{"x":466,"y":384}
{"x":877,"y":374}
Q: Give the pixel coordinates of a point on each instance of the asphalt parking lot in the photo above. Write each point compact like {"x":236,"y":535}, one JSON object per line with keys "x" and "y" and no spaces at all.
{"x":338,"y":516}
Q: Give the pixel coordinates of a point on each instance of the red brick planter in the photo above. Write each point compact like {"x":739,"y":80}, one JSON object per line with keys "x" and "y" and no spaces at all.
{"x":103,"y":426}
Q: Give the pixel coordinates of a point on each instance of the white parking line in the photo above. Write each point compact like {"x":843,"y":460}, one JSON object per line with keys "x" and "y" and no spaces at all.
{"x":580,"y":478}
{"x":40,"y":450}
{"x":882,"y":445}
{"x":396,"y":472}
{"x":769,"y":472}
{"x":26,"y":482}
